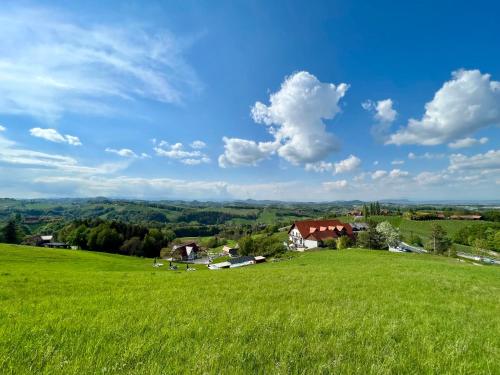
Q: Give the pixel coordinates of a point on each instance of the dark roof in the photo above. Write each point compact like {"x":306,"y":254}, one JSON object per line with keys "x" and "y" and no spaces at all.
{"x":242,"y":259}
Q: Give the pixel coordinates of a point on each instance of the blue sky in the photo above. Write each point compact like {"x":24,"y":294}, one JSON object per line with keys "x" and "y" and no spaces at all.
{"x":235,"y":100}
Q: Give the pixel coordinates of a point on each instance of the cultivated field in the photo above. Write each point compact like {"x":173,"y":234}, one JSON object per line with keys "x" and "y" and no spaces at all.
{"x":351,"y":311}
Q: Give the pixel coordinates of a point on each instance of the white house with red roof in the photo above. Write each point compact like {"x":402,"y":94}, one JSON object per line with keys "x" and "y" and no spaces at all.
{"x":308,"y":234}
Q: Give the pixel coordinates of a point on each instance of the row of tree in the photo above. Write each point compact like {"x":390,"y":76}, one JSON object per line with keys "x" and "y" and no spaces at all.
{"x":479,"y":236}
{"x":116,"y":237}
{"x":371,"y":209}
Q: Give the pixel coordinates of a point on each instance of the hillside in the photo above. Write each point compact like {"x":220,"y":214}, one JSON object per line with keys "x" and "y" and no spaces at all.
{"x":353,"y":311}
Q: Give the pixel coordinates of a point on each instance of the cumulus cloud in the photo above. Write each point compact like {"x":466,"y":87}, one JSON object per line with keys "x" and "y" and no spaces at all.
{"x":384,"y":114}
{"x":396,"y":173}
{"x":2,"y":128}
{"x":383,"y":110}
{"x":379,"y":174}
{"x":242,"y":152}
{"x":53,"y":135}
{"x":468,"y":142}
{"x":430,"y":178}
{"x":178,"y":152}
{"x":427,"y":156}
{"x":397,"y":162}
{"x":335,"y":185}
{"x":488,"y":161}
{"x":294,"y":118}
{"x":124,"y":152}
{"x":198,"y":145}
{"x":72,"y":66}
{"x":343,"y":166}
{"x":468,"y":102}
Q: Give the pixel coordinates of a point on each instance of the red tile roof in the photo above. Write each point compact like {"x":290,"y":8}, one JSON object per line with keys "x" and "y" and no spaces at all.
{"x":321,"y":229}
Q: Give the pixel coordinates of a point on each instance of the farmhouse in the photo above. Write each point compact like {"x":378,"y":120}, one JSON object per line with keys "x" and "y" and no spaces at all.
{"x":231,"y":251}
{"x":186,"y":251}
{"x":308,"y":234}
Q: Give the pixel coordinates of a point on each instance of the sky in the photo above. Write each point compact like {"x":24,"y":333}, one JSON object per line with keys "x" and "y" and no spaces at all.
{"x":216,"y":100}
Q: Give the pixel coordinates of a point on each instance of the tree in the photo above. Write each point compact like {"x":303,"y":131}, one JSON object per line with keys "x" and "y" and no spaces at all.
{"x":389,"y":233}
{"x":371,"y":238}
{"x":438,"y":242}
{"x":377,"y":208}
{"x":10,"y":232}
{"x":366,"y":211}
{"x":132,"y":246}
{"x":330,"y":243}
{"x":152,"y":244}
{"x":414,"y":239}
{"x":78,"y":237}
{"x":343,"y":242}
{"x":246,"y":245}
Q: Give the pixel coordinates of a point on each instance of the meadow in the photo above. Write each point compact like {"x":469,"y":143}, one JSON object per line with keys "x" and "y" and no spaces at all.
{"x":350,"y":311}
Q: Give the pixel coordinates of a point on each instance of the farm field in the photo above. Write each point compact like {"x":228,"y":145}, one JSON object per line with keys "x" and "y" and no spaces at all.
{"x":351,"y":311}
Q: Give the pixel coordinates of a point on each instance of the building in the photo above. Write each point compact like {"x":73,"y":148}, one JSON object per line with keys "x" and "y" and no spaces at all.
{"x":187,"y":251}
{"x":231,"y":251}
{"x":38,"y":240}
{"x":466,"y":217}
{"x":242,"y":261}
{"x":308,"y":234}
{"x":57,"y":245}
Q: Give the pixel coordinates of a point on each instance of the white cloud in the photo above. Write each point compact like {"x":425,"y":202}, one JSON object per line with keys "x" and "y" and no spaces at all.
{"x":202,"y":160}
{"x":295,"y":119}
{"x":468,"y":102}
{"x":396,"y":173}
{"x":11,"y":153}
{"x":488,"y":161}
{"x":375,"y":162}
{"x":53,"y":135}
{"x":384,"y":114}
{"x":242,"y":152}
{"x":335,"y":185}
{"x":430,"y":178}
{"x":347,"y":165}
{"x":124,"y":152}
{"x":343,"y":166}
{"x":198,"y":144}
{"x":2,"y":128}
{"x":397,"y":162}
{"x":379,"y":174}
{"x":427,"y":156}
{"x":52,"y":64}
{"x":468,"y":142}
{"x":177,"y":152}
{"x":384,"y":111}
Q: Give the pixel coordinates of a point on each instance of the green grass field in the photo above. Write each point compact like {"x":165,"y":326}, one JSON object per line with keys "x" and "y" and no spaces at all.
{"x":351,"y":311}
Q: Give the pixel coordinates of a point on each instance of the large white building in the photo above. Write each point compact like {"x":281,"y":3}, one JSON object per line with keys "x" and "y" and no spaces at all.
{"x":308,"y":234}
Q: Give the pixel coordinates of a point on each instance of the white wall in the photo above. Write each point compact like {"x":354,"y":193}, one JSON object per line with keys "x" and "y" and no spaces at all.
{"x":310,"y":244}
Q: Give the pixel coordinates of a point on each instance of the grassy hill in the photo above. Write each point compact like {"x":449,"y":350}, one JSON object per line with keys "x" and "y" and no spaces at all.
{"x":353,"y":311}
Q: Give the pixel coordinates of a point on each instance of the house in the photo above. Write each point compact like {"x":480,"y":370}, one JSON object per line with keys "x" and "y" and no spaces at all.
{"x":260,"y":259}
{"x":465,"y":217}
{"x":219,"y":266}
{"x":38,"y":240}
{"x":57,"y":245}
{"x":187,"y":251}
{"x":359,"y":227}
{"x":308,"y":234}
{"x":231,"y":251}
{"x":241,"y":261}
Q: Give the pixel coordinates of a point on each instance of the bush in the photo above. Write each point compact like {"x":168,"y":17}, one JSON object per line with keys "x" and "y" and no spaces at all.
{"x":330,"y":243}
{"x":343,"y":242}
